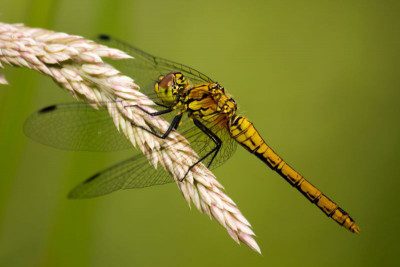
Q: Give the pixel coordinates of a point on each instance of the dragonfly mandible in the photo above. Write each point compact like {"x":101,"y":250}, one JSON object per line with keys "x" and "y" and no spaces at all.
{"x":212,"y":127}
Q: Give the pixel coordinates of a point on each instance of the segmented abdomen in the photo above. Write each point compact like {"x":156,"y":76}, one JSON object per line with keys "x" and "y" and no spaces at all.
{"x":244,"y":132}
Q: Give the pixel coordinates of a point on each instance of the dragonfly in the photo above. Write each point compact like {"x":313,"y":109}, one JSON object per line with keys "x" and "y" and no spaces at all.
{"x":211,"y":125}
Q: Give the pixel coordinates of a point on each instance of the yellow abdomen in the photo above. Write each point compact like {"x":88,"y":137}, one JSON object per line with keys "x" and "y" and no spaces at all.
{"x":244,"y":132}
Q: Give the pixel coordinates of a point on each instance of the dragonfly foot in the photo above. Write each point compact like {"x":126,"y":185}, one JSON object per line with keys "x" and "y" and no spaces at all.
{"x":184,"y":177}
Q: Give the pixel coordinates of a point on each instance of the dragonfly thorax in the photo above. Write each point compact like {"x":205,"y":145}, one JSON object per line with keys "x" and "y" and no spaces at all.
{"x":200,"y":100}
{"x":170,"y":87}
{"x":225,"y":103}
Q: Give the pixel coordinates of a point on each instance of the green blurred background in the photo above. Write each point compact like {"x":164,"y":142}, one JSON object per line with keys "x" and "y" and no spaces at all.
{"x":320,"y":80}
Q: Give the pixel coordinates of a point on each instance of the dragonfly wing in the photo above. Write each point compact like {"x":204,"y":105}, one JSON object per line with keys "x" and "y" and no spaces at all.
{"x":135,"y":172}
{"x":78,"y":126}
{"x":145,"y":68}
{"x":203,"y":144}
{"x":75,"y":126}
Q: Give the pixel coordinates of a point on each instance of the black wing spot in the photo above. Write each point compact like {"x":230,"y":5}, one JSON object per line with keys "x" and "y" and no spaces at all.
{"x":91,"y":178}
{"x":104,"y":37}
{"x":47,"y":109}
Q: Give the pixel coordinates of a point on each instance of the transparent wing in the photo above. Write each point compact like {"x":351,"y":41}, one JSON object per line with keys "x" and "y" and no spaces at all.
{"x":75,"y":126}
{"x":135,"y":172}
{"x":145,"y":68}
{"x":202,"y":143}
{"x":78,"y":126}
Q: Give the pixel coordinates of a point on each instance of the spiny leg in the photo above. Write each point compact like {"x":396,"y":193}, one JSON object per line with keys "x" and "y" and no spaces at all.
{"x":215,"y":150}
{"x":174,"y":124}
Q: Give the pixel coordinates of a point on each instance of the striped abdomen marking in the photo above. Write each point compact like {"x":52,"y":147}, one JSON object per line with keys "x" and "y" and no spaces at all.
{"x":243,"y":131}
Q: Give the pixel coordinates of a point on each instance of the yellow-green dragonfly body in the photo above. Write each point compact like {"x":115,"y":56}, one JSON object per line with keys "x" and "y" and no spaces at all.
{"x":181,"y":90}
{"x":208,"y":102}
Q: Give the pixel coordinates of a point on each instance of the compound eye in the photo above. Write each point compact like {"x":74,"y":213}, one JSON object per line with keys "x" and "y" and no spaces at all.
{"x":166,"y":81}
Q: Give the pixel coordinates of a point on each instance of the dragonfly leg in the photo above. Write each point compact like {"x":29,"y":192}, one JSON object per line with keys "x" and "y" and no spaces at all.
{"x":157,"y":113}
{"x":215,"y":150}
{"x":174,"y":124}
{"x":161,"y":105}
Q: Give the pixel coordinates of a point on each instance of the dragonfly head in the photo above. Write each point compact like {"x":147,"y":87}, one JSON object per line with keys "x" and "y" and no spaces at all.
{"x":170,"y":87}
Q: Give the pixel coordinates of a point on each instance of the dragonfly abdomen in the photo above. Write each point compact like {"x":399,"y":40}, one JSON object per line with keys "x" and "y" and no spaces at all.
{"x":244,"y":132}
